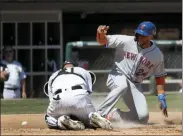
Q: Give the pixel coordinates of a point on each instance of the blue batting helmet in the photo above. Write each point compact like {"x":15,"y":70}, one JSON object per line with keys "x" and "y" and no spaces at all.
{"x":146,"y":29}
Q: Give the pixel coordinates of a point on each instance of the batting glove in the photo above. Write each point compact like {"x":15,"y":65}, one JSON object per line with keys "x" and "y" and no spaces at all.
{"x":162,"y":99}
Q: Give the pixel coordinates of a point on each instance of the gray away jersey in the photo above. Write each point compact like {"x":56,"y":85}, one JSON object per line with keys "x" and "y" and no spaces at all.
{"x":136,"y":63}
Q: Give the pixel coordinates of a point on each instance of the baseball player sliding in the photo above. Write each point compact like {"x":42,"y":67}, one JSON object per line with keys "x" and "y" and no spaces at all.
{"x":70,"y":104}
{"x":136,"y":58}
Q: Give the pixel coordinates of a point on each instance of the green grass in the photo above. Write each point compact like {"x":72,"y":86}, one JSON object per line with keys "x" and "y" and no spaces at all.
{"x":174,"y":103}
{"x":36,"y":106}
{"x":24,"y":106}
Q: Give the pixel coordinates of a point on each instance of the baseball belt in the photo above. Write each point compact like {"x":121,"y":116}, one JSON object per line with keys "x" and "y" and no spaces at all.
{"x":73,"y":88}
{"x":12,"y":89}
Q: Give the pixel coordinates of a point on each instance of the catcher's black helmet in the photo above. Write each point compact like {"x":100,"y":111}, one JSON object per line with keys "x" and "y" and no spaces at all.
{"x":69,"y":62}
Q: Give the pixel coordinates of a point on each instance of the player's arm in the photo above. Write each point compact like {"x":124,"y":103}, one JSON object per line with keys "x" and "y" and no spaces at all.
{"x":160,"y":86}
{"x":101,"y":34}
{"x":109,"y":40}
{"x":24,"y":94}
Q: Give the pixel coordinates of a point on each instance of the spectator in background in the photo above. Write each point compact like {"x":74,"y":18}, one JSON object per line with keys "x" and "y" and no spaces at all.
{"x":52,"y":66}
{"x":17,"y":77}
{"x":75,"y":58}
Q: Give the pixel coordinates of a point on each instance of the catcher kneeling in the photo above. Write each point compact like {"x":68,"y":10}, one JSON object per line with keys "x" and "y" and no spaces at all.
{"x":70,"y":104}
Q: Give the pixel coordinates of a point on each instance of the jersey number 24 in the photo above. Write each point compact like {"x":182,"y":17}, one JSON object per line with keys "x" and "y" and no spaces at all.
{"x":141,"y":72}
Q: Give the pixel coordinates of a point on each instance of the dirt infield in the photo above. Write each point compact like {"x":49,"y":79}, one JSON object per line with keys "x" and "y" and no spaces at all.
{"x":11,"y":125}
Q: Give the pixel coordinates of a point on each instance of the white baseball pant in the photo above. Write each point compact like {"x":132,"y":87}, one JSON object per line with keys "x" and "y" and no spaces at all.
{"x":74,"y":103}
{"x":11,"y":94}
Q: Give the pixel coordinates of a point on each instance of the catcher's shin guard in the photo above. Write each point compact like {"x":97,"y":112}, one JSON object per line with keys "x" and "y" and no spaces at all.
{"x":71,"y":124}
{"x":53,"y":123}
{"x":98,"y":121}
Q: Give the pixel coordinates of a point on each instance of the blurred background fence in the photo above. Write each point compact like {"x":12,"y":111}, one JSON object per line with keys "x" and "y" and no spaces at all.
{"x":39,"y":30}
{"x":99,"y":59}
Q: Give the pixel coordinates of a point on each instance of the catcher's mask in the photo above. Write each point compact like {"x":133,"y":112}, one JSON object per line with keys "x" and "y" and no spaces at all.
{"x":69,"y":62}
{"x":93,"y":77}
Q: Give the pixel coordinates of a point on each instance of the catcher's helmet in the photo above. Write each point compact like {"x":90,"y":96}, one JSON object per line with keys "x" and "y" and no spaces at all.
{"x":146,"y":29}
{"x":69,"y":62}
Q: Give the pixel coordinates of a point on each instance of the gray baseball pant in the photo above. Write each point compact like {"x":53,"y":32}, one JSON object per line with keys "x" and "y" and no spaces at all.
{"x":121,"y":86}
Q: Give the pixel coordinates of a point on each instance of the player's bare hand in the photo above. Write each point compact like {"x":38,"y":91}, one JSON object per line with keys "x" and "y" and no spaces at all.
{"x":164,"y":110}
{"x":24,"y":95}
{"x":162,"y":104}
{"x":101,"y":34}
{"x":102,"y":29}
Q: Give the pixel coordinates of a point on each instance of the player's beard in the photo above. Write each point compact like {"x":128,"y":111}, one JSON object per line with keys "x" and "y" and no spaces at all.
{"x":136,"y":39}
{"x":142,"y":45}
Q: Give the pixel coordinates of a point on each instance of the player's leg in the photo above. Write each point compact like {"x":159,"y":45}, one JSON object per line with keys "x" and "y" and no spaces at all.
{"x":85,"y":111}
{"x":117,"y":85}
{"x":8,"y":94}
{"x":57,"y":117}
{"x":11,"y":94}
{"x":70,"y":123}
{"x":63,"y":122}
{"x":136,"y":102}
{"x":53,"y":123}
{"x":52,"y":115}
{"x":92,"y":119}
{"x":98,"y":121}
{"x":82,"y":108}
{"x":17,"y":93}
